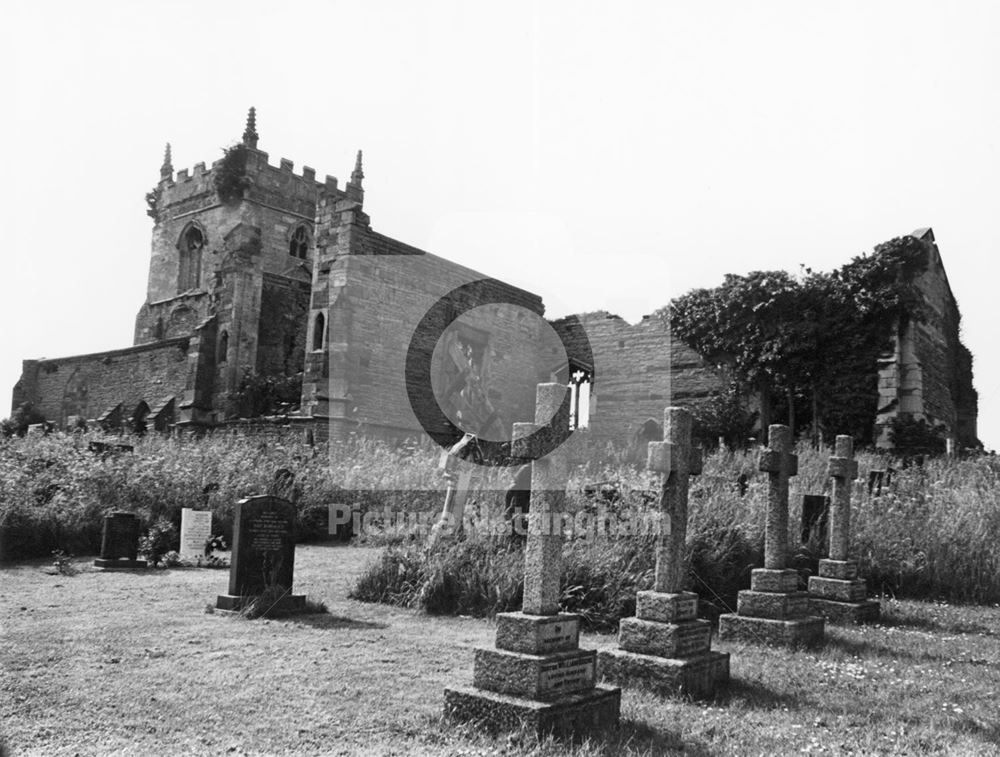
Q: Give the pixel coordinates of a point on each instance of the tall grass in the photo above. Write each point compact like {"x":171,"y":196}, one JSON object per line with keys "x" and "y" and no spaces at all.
{"x":933,"y":533}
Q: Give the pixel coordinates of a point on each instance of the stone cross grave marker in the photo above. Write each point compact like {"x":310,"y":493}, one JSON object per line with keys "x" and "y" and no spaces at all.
{"x":120,"y":542}
{"x":780,"y":463}
{"x":537,"y":677}
{"x":665,"y":647}
{"x":196,"y":529}
{"x":677,"y":461}
{"x":773,"y":610}
{"x":263,"y":554}
{"x":836,"y":593}
{"x":543,"y":549}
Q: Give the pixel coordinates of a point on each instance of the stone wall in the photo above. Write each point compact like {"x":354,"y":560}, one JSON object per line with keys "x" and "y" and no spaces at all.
{"x":371,"y":291}
{"x":928,"y":373}
{"x":89,"y":385}
{"x":638,"y":371}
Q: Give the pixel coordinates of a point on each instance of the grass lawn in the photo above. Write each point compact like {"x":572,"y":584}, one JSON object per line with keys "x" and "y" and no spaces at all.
{"x":130,"y":663}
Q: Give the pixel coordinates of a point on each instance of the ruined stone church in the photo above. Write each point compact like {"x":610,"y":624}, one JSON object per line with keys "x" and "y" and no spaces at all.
{"x":256,"y":270}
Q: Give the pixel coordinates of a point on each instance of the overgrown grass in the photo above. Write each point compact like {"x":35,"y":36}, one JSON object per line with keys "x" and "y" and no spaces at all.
{"x":931,"y":534}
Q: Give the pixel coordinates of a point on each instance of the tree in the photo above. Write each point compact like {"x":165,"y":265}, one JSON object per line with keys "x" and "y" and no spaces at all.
{"x":815,"y":340}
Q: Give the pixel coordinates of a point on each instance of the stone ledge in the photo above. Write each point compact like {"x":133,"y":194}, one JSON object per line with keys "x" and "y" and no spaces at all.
{"x":699,"y":676}
{"x":843,"y":570}
{"x":766,"y":604}
{"x":846,"y":613}
{"x":119,"y":564}
{"x":537,"y":634}
{"x":591,"y":711}
{"x":662,"y":607}
{"x":801,"y":632}
{"x":690,"y":637}
{"x":235,"y":603}
{"x":540,"y":677}
{"x":781,"y":581}
{"x":841,"y":591}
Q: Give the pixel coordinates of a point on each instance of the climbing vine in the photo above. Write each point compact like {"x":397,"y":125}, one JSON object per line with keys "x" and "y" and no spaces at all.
{"x":811,"y":343}
{"x":153,"y":201}
{"x":231,"y":174}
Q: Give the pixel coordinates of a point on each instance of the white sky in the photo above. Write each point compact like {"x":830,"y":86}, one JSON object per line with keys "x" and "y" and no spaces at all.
{"x":606,"y":157}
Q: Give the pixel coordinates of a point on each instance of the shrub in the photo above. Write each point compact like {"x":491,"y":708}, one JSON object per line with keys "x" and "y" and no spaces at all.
{"x":158,"y":545}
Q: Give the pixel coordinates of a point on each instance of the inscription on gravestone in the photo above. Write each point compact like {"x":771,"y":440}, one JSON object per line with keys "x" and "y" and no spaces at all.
{"x":263,"y":546}
{"x":196,"y":529}
{"x":565,"y":675}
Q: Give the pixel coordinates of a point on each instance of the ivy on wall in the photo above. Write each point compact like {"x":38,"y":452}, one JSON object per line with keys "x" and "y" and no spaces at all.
{"x":230,"y":176}
{"x":810,"y":344}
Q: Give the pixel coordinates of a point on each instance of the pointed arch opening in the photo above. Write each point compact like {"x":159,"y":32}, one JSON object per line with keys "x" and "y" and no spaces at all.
{"x":190,"y":247}
{"x":319,"y":332}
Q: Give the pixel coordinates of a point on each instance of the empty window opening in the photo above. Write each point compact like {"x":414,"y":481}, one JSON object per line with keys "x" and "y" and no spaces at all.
{"x":189,"y":274}
{"x":580,"y":384}
{"x":319,"y":325}
{"x":223,"y":347}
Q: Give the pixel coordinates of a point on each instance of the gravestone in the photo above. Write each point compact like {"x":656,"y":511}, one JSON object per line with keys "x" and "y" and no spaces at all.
{"x":665,"y":647}
{"x":774,"y":611}
{"x":120,"y":543}
{"x":815,"y":518}
{"x":537,"y":677}
{"x":263,"y":555}
{"x":196,"y":529}
{"x":837,"y":593}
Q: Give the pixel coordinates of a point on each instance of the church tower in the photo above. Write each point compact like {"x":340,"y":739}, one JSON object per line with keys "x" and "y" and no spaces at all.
{"x":231,"y":265}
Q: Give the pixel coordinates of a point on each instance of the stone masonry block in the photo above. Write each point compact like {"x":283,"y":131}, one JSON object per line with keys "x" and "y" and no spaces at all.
{"x":766,"y":604}
{"x":840,"y":569}
{"x":538,"y":677}
{"x":684,"y":639}
{"x":593,"y":711}
{"x":537,"y":634}
{"x":842,"y":591}
{"x":666,"y":608}
{"x":699,"y":676}
{"x":764,"y":579}
{"x":845,"y":613}
{"x":799,"y":632}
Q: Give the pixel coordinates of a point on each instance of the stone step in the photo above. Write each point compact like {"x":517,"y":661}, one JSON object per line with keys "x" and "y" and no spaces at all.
{"x":698,"y":676}
{"x":662,"y":607}
{"x":782,"y":581}
{"x":540,"y":677}
{"x":594,"y":711}
{"x":766,"y":604}
{"x":842,"y":591}
{"x":798,"y":632}
{"x":843,"y":570}
{"x":690,"y":637}
{"x":537,"y":634}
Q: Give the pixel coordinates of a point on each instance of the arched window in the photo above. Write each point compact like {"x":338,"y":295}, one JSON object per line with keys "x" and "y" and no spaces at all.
{"x":299,"y":244}
{"x":189,"y":273}
{"x":223,"y":347}
{"x":319,"y":325}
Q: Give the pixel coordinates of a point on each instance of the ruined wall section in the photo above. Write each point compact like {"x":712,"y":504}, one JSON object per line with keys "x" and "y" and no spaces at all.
{"x":638,"y":370}
{"x":928,"y":373}
{"x":89,"y":385}
{"x":944,"y":362}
